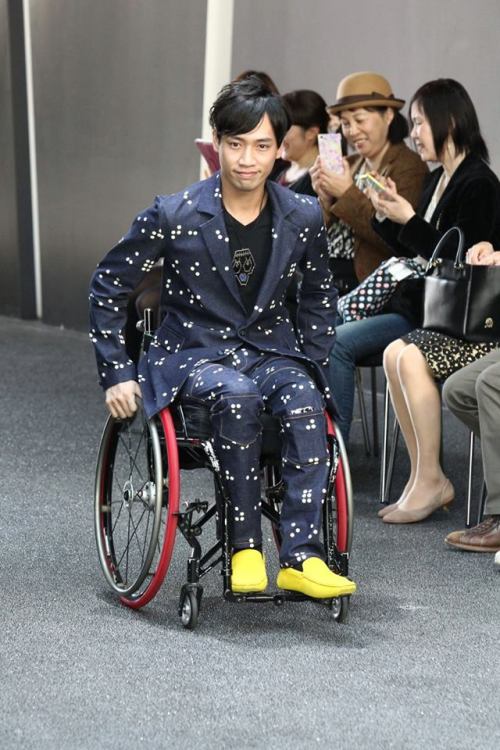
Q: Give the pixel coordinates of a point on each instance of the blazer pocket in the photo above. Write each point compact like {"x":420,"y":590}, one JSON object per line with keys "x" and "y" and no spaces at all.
{"x":169,"y":338}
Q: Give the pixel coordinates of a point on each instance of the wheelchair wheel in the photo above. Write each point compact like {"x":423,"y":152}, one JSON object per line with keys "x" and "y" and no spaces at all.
{"x":136,"y":502}
{"x":340,"y":608}
{"x":338,"y":515}
{"x":340,"y":504}
{"x":189,"y":606}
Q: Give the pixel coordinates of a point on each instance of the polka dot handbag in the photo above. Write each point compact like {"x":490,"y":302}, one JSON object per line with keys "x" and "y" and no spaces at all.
{"x":371,"y":296}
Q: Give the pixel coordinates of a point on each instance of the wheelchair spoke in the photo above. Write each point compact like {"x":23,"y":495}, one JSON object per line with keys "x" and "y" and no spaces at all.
{"x":132,"y":460}
{"x":145,"y":536}
{"x":131,"y":536}
{"x":121,"y":504}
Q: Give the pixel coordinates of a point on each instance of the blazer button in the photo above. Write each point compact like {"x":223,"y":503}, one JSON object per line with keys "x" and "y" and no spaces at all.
{"x":243,"y":331}
{"x":221,"y":352}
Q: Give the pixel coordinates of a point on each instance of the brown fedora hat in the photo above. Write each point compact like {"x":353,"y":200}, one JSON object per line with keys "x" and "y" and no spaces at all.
{"x":364,"y":89}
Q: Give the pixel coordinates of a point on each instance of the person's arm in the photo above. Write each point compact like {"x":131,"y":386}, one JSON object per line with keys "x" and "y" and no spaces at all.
{"x":317,"y":298}
{"x":326,"y":185}
{"x":355,"y":208}
{"x":121,"y":399}
{"x":390,"y":230}
{"x":113,"y":280}
{"x":477,"y":209}
{"x":480,"y":253}
{"x":483,"y":254}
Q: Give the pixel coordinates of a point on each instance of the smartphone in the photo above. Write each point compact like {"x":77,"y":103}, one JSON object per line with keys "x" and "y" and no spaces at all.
{"x":372,"y":182}
{"x":330,"y":150}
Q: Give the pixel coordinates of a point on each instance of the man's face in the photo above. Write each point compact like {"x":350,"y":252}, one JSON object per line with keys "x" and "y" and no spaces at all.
{"x":246,"y":160}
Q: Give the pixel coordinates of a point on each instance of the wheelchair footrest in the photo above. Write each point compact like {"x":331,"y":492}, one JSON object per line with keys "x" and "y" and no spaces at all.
{"x":276,"y":598}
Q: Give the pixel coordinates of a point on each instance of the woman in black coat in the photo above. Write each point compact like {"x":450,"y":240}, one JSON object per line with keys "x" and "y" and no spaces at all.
{"x":463,"y":192}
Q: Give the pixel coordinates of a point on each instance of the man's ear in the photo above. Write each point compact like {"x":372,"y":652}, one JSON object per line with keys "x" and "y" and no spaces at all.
{"x":279,"y":154}
{"x":215,"y":140}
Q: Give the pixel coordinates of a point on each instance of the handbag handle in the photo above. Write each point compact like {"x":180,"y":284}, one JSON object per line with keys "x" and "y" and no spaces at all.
{"x":435,"y":260}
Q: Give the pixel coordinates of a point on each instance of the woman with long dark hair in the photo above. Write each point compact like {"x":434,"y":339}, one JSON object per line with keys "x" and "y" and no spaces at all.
{"x":464,"y":192}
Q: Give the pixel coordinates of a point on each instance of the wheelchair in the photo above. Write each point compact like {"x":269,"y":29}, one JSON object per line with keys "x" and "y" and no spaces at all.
{"x":139,"y":514}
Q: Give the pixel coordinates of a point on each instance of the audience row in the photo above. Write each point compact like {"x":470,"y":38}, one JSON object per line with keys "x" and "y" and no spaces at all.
{"x":402,"y":214}
{"x":382,"y":232}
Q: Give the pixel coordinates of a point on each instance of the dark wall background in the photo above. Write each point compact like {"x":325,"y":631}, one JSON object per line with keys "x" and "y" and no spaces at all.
{"x":118,"y":89}
{"x":118,"y":98}
{"x":9,"y":269}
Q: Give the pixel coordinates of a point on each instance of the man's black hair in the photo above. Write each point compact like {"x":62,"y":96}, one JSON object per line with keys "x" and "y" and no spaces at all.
{"x":241,"y":105}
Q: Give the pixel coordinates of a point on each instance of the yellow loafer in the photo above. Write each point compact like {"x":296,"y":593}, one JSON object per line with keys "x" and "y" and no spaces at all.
{"x":248,"y":571}
{"x":315,"y":580}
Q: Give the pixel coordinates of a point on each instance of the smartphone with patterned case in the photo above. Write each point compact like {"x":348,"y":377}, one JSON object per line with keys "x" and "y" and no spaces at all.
{"x":330,"y":150}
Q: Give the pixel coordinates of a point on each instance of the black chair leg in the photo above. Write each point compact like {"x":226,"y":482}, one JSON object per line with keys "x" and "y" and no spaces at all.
{"x":482,"y":503}
{"x":385,"y":446}
{"x":468,"y":514}
{"x":392,"y":458}
{"x":362,"y":411}
{"x":373,"y":376}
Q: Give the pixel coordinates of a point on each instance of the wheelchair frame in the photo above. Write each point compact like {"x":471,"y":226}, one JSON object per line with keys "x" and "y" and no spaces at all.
{"x":144,"y":486}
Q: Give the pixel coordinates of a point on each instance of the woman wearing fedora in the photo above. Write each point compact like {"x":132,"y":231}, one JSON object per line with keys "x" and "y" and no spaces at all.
{"x":375,"y":129}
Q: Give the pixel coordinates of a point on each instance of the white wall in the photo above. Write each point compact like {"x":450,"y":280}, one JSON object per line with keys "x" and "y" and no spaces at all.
{"x":314,"y":44}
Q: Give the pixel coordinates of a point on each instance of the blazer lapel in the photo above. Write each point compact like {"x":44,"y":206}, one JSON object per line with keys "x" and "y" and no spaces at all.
{"x":215,"y":235}
{"x":284,"y":239}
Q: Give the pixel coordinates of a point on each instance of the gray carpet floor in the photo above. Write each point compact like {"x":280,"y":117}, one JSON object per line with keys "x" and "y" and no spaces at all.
{"x":416,"y":665}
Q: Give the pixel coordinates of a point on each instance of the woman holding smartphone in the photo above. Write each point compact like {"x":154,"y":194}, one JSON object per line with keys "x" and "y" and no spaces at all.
{"x":375,"y":129}
{"x":462,"y":192}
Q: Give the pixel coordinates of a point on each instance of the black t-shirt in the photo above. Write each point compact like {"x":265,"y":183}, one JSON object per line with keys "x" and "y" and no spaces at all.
{"x":251,"y":249}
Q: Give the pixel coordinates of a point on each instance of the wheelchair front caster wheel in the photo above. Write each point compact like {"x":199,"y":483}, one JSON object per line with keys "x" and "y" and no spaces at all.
{"x":340,"y":608}
{"x":189,"y":608}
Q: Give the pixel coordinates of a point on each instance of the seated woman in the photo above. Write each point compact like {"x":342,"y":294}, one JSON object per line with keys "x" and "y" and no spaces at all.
{"x":463,"y":192}
{"x":307,"y":110}
{"x":375,"y":129}
{"x":444,"y":202}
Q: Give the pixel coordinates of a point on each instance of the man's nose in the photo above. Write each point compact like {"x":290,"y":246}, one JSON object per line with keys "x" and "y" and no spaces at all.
{"x":247,"y":155}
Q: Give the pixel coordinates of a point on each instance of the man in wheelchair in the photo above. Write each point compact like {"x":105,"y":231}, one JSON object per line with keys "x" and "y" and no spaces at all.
{"x":230,"y":246}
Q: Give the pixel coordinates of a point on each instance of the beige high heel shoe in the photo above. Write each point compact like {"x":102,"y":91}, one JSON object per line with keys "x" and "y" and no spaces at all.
{"x":441,"y":500}
{"x":392,"y":506}
{"x":387,"y":509}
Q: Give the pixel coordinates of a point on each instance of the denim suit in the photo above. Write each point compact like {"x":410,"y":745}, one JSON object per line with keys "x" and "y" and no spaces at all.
{"x":203,"y":318}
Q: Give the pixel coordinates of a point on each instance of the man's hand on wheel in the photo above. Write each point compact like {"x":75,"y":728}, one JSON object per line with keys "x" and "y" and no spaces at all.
{"x":121,"y":399}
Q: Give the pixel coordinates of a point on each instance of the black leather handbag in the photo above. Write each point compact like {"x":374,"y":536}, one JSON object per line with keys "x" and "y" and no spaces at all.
{"x":461,"y":300}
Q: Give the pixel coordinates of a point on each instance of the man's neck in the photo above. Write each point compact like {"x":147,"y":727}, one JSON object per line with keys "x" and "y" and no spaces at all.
{"x":244,"y":207}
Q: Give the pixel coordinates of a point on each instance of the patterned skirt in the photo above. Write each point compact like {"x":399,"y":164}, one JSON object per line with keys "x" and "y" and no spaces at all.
{"x":445,"y":354}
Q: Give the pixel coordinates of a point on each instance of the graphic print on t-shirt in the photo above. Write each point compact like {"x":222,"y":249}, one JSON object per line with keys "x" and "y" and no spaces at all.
{"x":243,"y":265}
